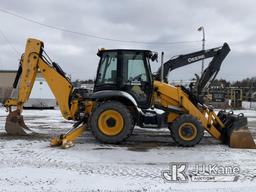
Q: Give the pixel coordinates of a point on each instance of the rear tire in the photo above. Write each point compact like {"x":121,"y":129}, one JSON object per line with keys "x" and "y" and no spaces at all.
{"x":111,"y":122}
{"x":187,"y":131}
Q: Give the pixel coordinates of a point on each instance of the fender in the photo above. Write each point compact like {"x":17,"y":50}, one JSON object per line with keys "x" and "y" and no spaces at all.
{"x":105,"y":94}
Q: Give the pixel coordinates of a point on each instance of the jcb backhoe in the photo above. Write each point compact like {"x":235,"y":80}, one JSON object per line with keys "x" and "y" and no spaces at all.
{"x":127,"y":94}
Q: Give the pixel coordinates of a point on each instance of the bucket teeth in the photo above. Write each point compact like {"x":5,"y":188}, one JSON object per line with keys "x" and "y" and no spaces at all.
{"x":15,"y":124}
{"x":236,"y":132}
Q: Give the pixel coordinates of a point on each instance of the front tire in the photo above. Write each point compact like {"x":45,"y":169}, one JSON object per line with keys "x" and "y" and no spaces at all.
{"x":111,"y":122}
{"x":187,"y":131}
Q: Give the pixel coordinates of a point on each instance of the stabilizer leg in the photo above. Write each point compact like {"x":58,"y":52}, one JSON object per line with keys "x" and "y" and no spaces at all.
{"x":66,"y":140}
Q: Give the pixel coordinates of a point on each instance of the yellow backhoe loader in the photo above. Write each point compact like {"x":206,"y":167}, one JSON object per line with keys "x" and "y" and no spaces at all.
{"x":127,"y":94}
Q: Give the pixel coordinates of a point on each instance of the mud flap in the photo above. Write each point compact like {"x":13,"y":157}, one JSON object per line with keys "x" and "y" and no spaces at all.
{"x":15,"y":125}
{"x":236,"y":133}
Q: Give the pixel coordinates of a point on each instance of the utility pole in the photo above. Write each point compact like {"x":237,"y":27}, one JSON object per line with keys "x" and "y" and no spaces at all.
{"x":203,"y":46}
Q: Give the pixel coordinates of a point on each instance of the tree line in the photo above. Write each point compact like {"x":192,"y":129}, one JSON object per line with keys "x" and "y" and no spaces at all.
{"x":247,"y":82}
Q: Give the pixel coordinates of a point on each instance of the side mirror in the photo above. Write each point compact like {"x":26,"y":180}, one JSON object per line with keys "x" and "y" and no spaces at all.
{"x":154,"y":57}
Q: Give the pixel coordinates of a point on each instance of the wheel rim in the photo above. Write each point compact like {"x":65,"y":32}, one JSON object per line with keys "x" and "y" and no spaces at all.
{"x":110,"y":122}
{"x":187,"y":131}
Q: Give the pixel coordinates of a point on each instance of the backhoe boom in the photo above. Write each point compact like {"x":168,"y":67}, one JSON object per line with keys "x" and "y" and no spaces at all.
{"x":217,"y":54}
{"x":32,"y":62}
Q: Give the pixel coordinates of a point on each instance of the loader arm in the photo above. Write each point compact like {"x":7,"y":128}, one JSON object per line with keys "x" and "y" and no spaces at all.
{"x":226,"y":127}
{"x":218,"y":54}
{"x":167,"y":96}
{"x":32,"y":62}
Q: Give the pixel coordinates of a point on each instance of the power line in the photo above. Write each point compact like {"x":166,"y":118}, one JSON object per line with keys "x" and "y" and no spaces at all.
{"x":9,"y":43}
{"x":89,"y":35}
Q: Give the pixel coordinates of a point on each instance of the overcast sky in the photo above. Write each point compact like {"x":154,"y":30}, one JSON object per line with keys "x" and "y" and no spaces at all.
{"x":134,"y":20}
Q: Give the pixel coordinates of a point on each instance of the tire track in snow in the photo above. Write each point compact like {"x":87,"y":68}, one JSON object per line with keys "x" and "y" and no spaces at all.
{"x":23,"y":155}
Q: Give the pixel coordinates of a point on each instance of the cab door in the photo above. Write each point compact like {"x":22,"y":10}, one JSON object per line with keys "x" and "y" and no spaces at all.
{"x":107,"y":72}
{"x":136,"y":77}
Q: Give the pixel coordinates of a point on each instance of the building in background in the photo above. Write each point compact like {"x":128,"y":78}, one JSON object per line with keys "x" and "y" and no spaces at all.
{"x":40,"y":97}
{"x":6,"y":80}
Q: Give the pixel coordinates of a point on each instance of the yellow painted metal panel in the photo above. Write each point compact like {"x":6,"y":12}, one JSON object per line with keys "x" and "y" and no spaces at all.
{"x":59,"y":85}
{"x":166,"y":95}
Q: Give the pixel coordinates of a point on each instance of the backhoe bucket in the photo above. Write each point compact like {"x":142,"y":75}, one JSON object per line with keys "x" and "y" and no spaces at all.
{"x":15,"y":125}
{"x":236,"y":133}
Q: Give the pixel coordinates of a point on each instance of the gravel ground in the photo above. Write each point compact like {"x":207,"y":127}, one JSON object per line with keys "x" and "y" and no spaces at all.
{"x":28,"y":163}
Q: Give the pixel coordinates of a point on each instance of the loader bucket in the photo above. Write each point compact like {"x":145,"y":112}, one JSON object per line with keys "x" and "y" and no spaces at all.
{"x":236,"y":133}
{"x":15,"y":125}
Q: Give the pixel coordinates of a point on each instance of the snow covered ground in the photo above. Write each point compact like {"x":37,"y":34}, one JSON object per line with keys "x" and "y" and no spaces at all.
{"x":29,"y":164}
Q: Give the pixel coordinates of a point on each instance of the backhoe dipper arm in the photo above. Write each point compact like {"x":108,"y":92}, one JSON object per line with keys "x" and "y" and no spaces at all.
{"x":218,"y":54}
{"x":32,"y":62}
{"x":213,"y":68}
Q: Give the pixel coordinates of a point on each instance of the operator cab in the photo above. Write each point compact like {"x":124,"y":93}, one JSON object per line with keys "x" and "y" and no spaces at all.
{"x":126,"y":70}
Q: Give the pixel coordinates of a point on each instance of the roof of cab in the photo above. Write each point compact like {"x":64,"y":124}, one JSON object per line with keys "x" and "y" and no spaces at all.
{"x":102,"y":50}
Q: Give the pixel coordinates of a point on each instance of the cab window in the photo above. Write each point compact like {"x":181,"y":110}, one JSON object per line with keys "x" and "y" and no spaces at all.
{"x":134,"y":68}
{"x":108,"y":69}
